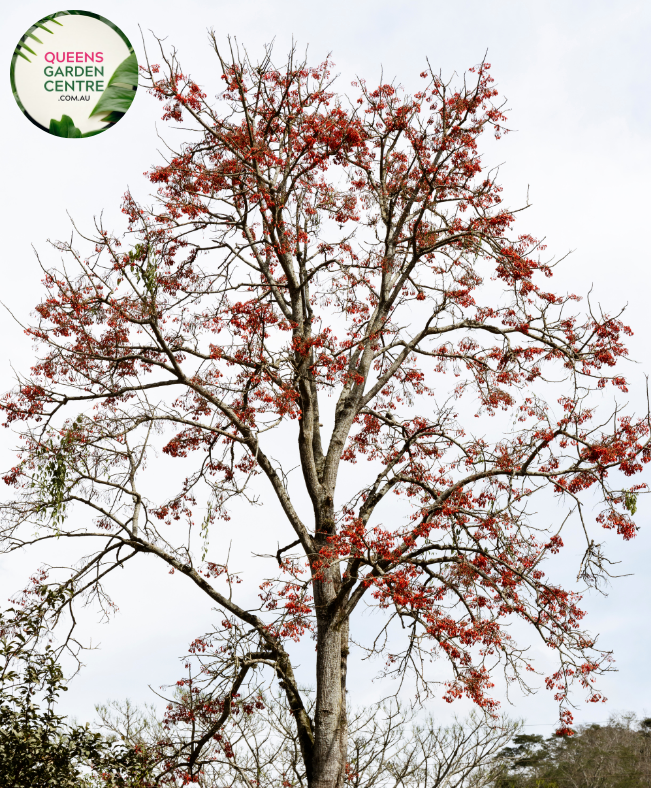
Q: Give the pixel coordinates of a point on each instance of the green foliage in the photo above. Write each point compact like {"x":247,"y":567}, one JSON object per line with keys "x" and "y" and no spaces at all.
{"x":38,"y":747}
{"x":528,"y":750}
{"x":630,"y":501}
{"x":53,"y":462}
{"x":144,"y":268}
{"x":205,"y":526}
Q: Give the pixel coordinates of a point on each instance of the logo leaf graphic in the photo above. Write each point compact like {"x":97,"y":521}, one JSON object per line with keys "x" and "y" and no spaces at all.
{"x":65,"y":127}
{"x":120,"y":91}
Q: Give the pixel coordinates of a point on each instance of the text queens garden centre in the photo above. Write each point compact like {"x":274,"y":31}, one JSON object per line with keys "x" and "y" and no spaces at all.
{"x":79,"y":78}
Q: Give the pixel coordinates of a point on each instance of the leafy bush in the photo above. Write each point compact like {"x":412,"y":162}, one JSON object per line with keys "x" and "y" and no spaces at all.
{"x":38,"y":747}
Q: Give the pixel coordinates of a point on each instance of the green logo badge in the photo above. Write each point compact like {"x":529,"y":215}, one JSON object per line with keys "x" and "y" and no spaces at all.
{"x":74,"y":74}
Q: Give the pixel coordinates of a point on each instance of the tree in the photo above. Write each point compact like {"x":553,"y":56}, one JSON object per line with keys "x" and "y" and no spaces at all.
{"x":38,"y":747}
{"x":325,"y":281}
{"x":618,"y":754}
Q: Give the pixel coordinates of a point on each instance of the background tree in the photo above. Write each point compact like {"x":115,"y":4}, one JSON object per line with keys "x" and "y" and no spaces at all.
{"x":329,"y":280}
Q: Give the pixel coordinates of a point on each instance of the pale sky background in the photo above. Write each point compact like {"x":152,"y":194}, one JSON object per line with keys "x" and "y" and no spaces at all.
{"x":576,"y":78}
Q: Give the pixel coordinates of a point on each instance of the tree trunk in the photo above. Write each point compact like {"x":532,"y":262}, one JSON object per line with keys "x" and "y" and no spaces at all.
{"x":330,"y":723}
{"x":327,"y":758}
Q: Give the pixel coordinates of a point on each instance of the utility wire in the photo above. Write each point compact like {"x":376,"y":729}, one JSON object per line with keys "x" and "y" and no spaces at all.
{"x":557,"y":722}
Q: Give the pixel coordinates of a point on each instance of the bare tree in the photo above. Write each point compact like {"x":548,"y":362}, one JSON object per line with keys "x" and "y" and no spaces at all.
{"x":388,"y":745}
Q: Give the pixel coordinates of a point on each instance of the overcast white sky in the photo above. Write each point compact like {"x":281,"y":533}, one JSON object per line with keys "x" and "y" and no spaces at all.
{"x":576,"y":75}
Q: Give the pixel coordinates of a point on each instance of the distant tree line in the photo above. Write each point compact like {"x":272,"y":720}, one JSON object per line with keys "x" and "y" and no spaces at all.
{"x":615,"y":754}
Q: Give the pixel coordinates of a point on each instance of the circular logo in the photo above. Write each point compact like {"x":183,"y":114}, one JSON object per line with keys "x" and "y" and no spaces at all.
{"x":74,"y":74}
